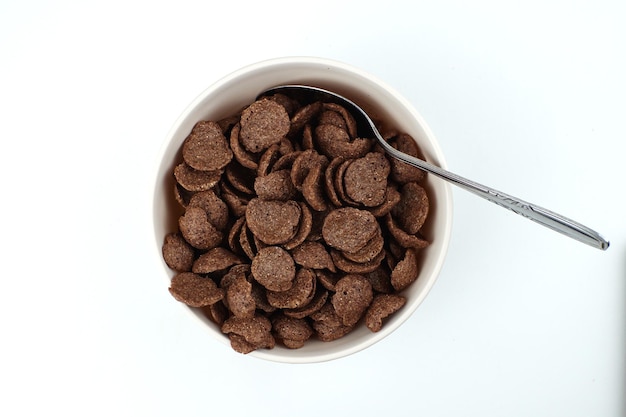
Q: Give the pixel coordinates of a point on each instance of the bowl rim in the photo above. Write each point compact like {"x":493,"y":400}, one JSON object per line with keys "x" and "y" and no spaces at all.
{"x":446,"y":213}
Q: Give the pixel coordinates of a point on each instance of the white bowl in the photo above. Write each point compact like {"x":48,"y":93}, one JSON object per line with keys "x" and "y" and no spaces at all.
{"x":230,"y":94}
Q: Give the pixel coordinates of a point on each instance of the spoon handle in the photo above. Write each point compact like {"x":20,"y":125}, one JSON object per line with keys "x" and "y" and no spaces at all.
{"x":531,"y":211}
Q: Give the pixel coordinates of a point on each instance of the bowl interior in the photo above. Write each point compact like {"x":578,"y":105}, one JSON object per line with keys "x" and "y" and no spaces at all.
{"x":240,"y":88}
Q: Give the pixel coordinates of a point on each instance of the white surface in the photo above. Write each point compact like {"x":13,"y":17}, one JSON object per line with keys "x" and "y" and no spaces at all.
{"x":527,"y":97}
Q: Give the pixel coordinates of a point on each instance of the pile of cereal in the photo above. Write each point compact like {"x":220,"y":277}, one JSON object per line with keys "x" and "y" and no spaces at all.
{"x":294,"y":226}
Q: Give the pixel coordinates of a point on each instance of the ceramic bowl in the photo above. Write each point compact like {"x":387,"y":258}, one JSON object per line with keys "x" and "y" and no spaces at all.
{"x":228,"y":95}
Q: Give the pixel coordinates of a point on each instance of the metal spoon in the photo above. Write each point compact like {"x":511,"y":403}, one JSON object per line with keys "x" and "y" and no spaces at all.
{"x":538,"y":214}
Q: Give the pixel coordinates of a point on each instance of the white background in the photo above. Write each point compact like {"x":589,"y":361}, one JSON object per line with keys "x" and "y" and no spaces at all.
{"x":528,"y":97}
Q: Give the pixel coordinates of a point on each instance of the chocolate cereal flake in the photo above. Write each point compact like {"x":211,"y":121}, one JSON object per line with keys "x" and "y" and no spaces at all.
{"x":392,"y":197}
{"x":318,"y":301}
{"x":240,"y":178}
{"x":216,"y":312}
{"x":303,"y":116}
{"x":352,"y":297}
{"x":365,"y":179}
{"x":217,"y":259}
{"x":405,"y":272}
{"x":274,"y":268}
{"x":194,"y":290}
{"x":334,"y":142}
{"x":239,"y":298}
{"x":304,"y":163}
{"x":291,"y":331}
{"x":347,"y":120}
{"x":239,"y":344}
{"x":313,"y":255}
{"x":383,"y":305}
{"x":328,"y":279}
{"x":234,"y":273}
{"x":276,"y":185}
{"x":235,"y":201}
{"x":346,"y":265}
{"x":206,"y":148}
{"x":245,"y":158}
{"x":329,"y":181}
{"x":380,"y":280}
{"x":255,"y":331}
{"x":304,"y":228}
{"x":215,"y":208}
{"x":312,"y":189}
{"x":177,"y":253}
{"x":368,"y":252}
{"x":298,"y":295}
{"x":246,"y":241}
{"x":338,"y":183}
{"x":267,"y":160}
{"x":263,"y":123}
{"x":412,"y":209}
{"x":195,"y":180}
{"x":404,"y":239}
{"x":273,"y":222}
{"x":233,"y":235}
{"x":328,"y":325}
{"x":349,"y":229}
{"x":401,"y":172}
{"x":286,"y":161}
{"x":197,"y":229}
